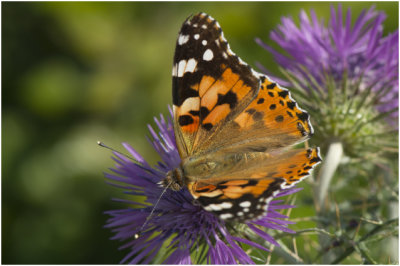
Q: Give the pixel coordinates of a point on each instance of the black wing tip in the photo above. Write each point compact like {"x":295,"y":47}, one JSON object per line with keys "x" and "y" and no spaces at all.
{"x":197,"y":16}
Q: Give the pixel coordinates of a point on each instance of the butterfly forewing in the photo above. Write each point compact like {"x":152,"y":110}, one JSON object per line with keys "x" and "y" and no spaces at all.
{"x":210,"y":86}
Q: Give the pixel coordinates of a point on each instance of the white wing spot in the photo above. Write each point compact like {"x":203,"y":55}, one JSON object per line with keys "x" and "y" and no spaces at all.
{"x":184,"y":66}
{"x":195,"y":25}
{"x":240,"y":214}
{"x":174,"y":70}
{"x":204,"y":26}
{"x":196,"y":36}
{"x":181,"y":68}
{"x":226,"y":205}
{"x":245,"y":204}
{"x":224,"y":55}
{"x":208,"y":55}
{"x":191,"y":65}
{"x":208,"y":208}
{"x":183,"y":39}
{"x":226,"y":216}
{"x":204,"y":42}
{"x":246,"y":209}
{"x":214,"y":207}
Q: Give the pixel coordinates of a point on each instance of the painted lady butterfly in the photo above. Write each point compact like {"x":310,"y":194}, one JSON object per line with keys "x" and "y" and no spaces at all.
{"x":233,"y":127}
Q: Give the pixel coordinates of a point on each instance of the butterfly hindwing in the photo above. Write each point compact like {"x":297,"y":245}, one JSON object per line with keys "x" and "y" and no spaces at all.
{"x":243,"y":193}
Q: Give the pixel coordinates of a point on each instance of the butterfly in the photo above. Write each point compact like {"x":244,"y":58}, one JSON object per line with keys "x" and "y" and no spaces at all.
{"x":234,"y":127}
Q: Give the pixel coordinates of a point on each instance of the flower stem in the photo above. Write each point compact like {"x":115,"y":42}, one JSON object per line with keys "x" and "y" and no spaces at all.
{"x":329,"y":166}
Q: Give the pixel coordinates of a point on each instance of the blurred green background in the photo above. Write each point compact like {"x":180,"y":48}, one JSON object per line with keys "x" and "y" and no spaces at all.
{"x":74,"y":73}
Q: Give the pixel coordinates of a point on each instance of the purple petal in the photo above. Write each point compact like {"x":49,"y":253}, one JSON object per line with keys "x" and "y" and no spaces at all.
{"x":251,"y":243}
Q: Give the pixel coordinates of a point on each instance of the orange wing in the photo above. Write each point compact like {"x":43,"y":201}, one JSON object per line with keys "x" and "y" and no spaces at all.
{"x":211,"y":85}
{"x":245,"y":193}
{"x":271,"y":121}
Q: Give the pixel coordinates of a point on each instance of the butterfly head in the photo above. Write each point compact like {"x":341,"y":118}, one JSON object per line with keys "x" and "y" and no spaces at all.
{"x":174,"y":179}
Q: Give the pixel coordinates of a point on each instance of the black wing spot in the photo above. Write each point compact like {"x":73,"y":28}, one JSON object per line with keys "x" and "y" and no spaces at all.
{"x":258,"y":116}
{"x":229,"y":98}
{"x":315,"y":160}
{"x":260,"y":101}
{"x":303,"y":116}
{"x":251,"y":182}
{"x":289,"y":113}
{"x":272,"y":106}
{"x":207,"y":126}
{"x":279,"y":118}
{"x":271,"y":86}
{"x":283,"y":93}
{"x":291,"y":105}
{"x":281,"y":102}
{"x":194,"y":113}
{"x":204,"y":112}
{"x":271,"y":94}
{"x":251,"y":111}
{"x":185,"y":120}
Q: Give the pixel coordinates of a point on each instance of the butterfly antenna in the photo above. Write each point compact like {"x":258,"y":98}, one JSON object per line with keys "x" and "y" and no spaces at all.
{"x":152,"y":211}
{"x":101,"y":144}
{"x":144,"y":167}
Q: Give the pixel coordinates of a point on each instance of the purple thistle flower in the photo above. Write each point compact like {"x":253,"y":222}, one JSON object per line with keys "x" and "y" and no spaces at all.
{"x":346,"y":76}
{"x":193,"y":234}
{"x":358,"y":53}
